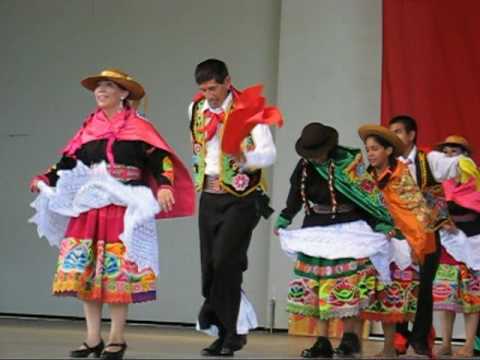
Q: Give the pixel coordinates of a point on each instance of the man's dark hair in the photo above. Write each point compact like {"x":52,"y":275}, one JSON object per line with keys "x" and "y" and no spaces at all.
{"x":211,"y":69}
{"x":408,"y":122}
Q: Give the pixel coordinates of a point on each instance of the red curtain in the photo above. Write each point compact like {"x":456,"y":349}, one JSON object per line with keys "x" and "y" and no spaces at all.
{"x":431,"y":67}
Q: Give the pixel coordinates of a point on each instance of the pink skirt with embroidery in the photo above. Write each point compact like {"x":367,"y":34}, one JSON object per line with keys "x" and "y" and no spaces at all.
{"x":92,"y":264}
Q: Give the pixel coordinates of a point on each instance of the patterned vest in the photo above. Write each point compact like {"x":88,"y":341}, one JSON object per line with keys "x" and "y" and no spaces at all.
{"x":431,"y":189}
{"x":232,"y":179}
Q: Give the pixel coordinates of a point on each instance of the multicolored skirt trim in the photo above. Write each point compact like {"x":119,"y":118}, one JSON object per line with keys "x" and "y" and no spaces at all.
{"x":92,"y":264}
{"x":396,"y":302}
{"x":328,"y":289}
{"x":456,"y":287}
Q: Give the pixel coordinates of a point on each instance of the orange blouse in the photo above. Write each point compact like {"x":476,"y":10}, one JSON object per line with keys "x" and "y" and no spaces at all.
{"x":409,"y":210}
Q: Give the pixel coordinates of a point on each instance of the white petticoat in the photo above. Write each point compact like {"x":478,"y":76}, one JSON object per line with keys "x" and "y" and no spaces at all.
{"x":246,"y":321}
{"x":354,"y":239}
{"x":82,"y":189}
{"x":462,"y":248}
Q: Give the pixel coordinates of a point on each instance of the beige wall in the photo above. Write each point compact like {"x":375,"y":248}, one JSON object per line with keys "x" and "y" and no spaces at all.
{"x":47,"y":47}
{"x":320,"y":59}
{"x":329,"y":71}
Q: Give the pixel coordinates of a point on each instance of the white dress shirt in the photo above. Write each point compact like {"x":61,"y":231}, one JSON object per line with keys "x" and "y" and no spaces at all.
{"x":262,"y":156}
{"x":442,"y":166}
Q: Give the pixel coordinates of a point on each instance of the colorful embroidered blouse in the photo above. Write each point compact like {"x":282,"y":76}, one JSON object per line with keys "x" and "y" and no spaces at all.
{"x":136,"y":154}
{"x":408,"y":208}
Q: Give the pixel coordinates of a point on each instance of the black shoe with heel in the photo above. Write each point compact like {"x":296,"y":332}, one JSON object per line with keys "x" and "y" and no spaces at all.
{"x":115,"y":355}
{"x":83,"y":353}
{"x":349,"y":345}
{"x":321,"y":349}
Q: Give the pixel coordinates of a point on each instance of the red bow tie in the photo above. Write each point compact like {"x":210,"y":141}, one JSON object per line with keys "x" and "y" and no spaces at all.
{"x":211,"y":128}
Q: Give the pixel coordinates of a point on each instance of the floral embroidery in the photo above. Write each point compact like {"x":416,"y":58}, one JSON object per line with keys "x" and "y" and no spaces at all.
{"x":360,"y":169}
{"x":197,"y":148}
{"x":240,"y":182}
{"x":231,"y":176}
{"x":367,"y":185}
{"x":77,"y":257}
{"x":408,"y":192}
{"x":342,"y":288}
{"x":96,"y":270}
{"x":456,"y":288}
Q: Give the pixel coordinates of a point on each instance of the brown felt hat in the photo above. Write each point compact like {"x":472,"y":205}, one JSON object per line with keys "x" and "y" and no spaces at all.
{"x":316,"y":140}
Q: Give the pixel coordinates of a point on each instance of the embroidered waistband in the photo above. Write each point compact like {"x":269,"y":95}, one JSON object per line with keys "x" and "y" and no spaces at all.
{"x":125,"y":173}
{"x":212,"y":185}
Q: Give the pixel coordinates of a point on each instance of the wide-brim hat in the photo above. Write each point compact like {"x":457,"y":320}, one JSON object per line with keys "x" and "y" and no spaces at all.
{"x":135,"y":89}
{"x":367,"y":130}
{"x":316,"y":140}
{"x":455,"y":140}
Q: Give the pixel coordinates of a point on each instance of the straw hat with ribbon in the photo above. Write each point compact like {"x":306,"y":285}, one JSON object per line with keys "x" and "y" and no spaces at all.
{"x":367,"y":130}
{"x":135,"y":89}
{"x":455,"y":140}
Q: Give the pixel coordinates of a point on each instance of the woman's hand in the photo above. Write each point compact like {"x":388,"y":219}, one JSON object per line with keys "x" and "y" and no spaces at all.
{"x":390,"y":235}
{"x":165,"y":198}
{"x":280,"y":223}
{"x":450,"y":228}
{"x":34,"y":185}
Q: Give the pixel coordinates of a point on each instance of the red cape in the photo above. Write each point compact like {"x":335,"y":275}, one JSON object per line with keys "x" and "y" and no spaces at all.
{"x":249,"y":110}
{"x":128,"y":125}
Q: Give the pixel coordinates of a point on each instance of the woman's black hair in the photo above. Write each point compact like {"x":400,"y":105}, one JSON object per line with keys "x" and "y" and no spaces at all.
{"x":125,"y":102}
{"x":392,"y":161}
{"x":460,"y":146}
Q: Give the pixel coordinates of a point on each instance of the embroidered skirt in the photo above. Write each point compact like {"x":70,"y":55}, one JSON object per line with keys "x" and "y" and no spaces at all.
{"x":92,"y":265}
{"x":328,"y":289}
{"x":396,"y":302}
{"x":456,"y":287}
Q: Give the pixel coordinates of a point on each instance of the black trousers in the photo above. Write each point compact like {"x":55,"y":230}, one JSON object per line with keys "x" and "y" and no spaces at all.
{"x":226,"y":224}
{"x":424,"y":315}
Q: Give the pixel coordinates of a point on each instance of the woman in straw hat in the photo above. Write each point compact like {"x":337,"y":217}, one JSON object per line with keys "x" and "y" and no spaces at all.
{"x":456,"y":288}
{"x":397,"y":302}
{"x":98,"y":204}
{"x":338,"y":254}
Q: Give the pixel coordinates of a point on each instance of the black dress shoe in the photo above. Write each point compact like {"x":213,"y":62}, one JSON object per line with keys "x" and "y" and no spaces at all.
{"x":349,"y":345}
{"x":115,"y":355}
{"x":421,"y":348}
{"x":213,"y":349}
{"x":233,"y":343}
{"x":321,"y":349}
{"x":83,"y":353}
{"x":226,"y":351}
